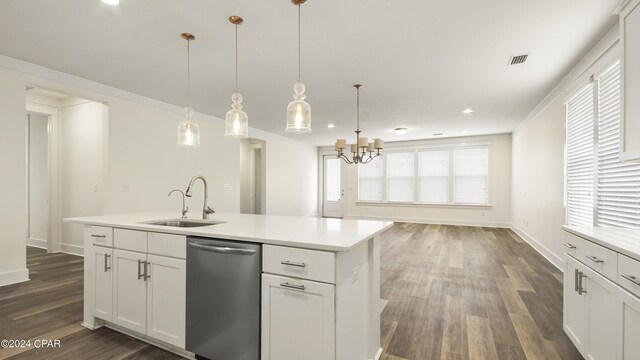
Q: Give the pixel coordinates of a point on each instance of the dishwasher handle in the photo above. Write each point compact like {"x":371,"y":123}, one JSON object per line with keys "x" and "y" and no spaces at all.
{"x":222,"y":250}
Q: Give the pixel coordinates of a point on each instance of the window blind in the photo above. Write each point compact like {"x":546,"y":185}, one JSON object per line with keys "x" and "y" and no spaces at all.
{"x":433,"y":168}
{"x":618,"y":184}
{"x":400,"y":176}
{"x":370,"y":180}
{"x":471,"y":175}
{"x":580,"y":163}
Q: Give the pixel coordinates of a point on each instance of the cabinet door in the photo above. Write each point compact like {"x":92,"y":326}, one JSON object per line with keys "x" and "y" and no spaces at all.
{"x":602,"y":297}
{"x":574,"y":305}
{"x":628,"y":326}
{"x":298,"y":319}
{"x":129,"y":290}
{"x":103,"y":282}
{"x":166,"y":299}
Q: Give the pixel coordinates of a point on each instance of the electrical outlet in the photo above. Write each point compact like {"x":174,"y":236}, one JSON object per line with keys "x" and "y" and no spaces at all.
{"x":355,"y":274}
{"x":226,"y":187}
{"x":126,"y":188}
{"x":95,"y":187}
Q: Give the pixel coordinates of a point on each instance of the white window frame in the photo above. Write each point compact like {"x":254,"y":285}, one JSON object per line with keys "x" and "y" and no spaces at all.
{"x":416,"y":149}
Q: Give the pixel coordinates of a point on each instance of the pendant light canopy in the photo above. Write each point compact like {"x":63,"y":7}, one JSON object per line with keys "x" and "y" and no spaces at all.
{"x":237,"y":121}
{"x":298,"y":111}
{"x":188,"y":130}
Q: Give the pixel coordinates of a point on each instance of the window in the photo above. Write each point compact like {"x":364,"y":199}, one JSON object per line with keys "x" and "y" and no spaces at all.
{"x":434,"y":176}
{"x":453,"y":175}
{"x":370,"y":177}
{"x":400,"y":176}
{"x":471,"y":175}
{"x":593,"y":165}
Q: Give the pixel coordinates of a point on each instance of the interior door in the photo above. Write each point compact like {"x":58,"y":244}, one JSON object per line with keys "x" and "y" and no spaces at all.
{"x":332,"y":187}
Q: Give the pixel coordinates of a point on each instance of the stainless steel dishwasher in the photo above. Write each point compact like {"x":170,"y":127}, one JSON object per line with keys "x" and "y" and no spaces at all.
{"x":223,"y":299}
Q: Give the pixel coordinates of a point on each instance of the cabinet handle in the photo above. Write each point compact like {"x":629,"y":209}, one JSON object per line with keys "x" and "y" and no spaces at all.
{"x":106,"y":262}
{"x":292,"y":286}
{"x":98,"y":236}
{"x":595,"y":259}
{"x":140,"y":273}
{"x":575,"y":280}
{"x":147,"y":265}
{"x":291,"y":263}
{"x":631,"y":278}
{"x":569,"y":245}
{"x":581,"y":290}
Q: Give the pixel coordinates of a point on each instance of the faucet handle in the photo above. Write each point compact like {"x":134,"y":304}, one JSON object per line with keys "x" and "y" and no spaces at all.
{"x":184,"y":212}
{"x":208,"y":210}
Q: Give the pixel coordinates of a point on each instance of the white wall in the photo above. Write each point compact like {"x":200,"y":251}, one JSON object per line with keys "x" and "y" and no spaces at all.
{"x":500,"y":192}
{"x":538,"y":181}
{"x":13,"y":186}
{"x":81,"y":152}
{"x":538,"y":210}
{"x":38,"y":180}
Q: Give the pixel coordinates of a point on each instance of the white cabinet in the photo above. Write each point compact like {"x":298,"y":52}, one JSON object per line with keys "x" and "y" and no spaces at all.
{"x":601,"y":295}
{"x":630,"y":40}
{"x":166,"y":299}
{"x":629,"y":326}
{"x":298,"y":319}
{"x":574,"y":304}
{"x":103,"y":280}
{"x":129,"y":290}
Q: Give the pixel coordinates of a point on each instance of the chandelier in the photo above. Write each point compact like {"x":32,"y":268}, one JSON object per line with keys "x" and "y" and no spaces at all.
{"x":362,"y":151}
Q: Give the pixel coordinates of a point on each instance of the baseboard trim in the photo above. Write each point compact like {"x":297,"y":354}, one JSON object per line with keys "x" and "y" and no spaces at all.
{"x":38,"y":243}
{"x":14,"y":277}
{"x":72,"y":249}
{"x":453,"y":222}
{"x":378,"y":354}
{"x":543,"y":250}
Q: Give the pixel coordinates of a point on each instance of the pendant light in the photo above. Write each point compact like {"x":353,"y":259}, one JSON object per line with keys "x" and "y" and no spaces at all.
{"x":298,"y":111}
{"x":188,"y":130}
{"x":237,"y":121}
{"x":362,"y":152}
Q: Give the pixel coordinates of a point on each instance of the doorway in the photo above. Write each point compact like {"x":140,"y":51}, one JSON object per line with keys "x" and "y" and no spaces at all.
{"x":252,"y":176}
{"x":332,"y":187}
{"x":38,"y":176}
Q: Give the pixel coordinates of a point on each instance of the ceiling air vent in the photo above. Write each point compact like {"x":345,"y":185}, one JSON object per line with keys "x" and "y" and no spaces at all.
{"x":518,"y":59}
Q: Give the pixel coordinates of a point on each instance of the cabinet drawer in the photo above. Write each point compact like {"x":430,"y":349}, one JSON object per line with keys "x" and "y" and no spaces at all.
{"x":300,"y":263}
{"x":629,"y":274}
{"x":130,"y":240}
{"x":601,"y":260}
{"x":574,"y":245}
{"x":100,"y":235}
{"x":168,"y":245}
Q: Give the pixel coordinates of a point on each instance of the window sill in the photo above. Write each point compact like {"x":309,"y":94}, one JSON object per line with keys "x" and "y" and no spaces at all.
{"x":416,"y":204}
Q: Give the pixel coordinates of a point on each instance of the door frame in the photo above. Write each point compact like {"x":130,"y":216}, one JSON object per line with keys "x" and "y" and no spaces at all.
{"x":322,"y":187}
{"x":54,"y":232}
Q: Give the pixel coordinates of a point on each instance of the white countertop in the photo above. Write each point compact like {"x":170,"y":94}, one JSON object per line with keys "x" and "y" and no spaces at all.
{"x":624,"y":241}
{"x":304,"y":232}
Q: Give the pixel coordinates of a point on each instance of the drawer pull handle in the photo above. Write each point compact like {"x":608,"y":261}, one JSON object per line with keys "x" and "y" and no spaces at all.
{"x":140,"y":273}
{"x":595,"y":259}
{"x":631,"y":278}
{"x":576,"y":279}
{"x":291,"y":263}
{"x":292,"y":286}
{"x":98,"y":236}
{"x":569,"y":245}
{"x":581,"y":290}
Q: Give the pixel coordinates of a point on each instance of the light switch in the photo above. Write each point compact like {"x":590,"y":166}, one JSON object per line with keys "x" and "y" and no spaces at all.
{"x":226,"y":187}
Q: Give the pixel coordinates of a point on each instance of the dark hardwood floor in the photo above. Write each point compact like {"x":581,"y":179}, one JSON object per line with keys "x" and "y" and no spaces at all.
{"x":454,"y":293}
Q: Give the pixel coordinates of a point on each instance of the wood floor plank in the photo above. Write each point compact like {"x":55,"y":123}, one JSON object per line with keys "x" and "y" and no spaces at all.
{"x":480,"y":339}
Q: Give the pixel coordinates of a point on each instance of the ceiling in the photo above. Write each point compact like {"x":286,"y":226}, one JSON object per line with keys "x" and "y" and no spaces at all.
{"x":421,"y":62}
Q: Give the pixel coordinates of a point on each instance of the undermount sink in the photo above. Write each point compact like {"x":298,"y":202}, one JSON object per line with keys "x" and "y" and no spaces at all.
{"x":184,"y":223}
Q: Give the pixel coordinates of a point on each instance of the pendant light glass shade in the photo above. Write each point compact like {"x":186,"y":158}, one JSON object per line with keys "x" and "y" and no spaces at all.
{"x":237,"y":121}
{"x":298,"y":112}
{"x":188,"y":130}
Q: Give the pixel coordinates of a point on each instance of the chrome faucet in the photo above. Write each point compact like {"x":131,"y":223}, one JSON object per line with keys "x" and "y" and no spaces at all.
{"x":184,"y":207}
{"x":206,"y":210}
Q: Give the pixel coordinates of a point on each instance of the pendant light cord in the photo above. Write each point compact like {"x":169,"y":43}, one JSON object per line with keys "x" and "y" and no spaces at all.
{"x":358,"y":108}
{"x":299,"y":42}
{"x":236,"y":57}
{"x":188,"y":70}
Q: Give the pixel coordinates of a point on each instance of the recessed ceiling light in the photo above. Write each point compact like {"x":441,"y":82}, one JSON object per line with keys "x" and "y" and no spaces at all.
{"x":465,"y":131}
{"x":438,"y":134}
{"x":400,"y":131}
{"x":111,"y":2}
{"x":467,"y":111}
{"x":331,"y":126}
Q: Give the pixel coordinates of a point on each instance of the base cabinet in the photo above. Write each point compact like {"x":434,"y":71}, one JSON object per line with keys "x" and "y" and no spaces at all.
{"x":574,"y":304}
{"x":103,"y":280}
{"x":129,"y":290}
{"x":166,"y":299}
{"x":298,"y":319}
{"x":629,"y":326}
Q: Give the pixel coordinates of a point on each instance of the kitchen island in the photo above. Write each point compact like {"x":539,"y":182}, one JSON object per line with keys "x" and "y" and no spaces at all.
{"x":320,"y":280}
